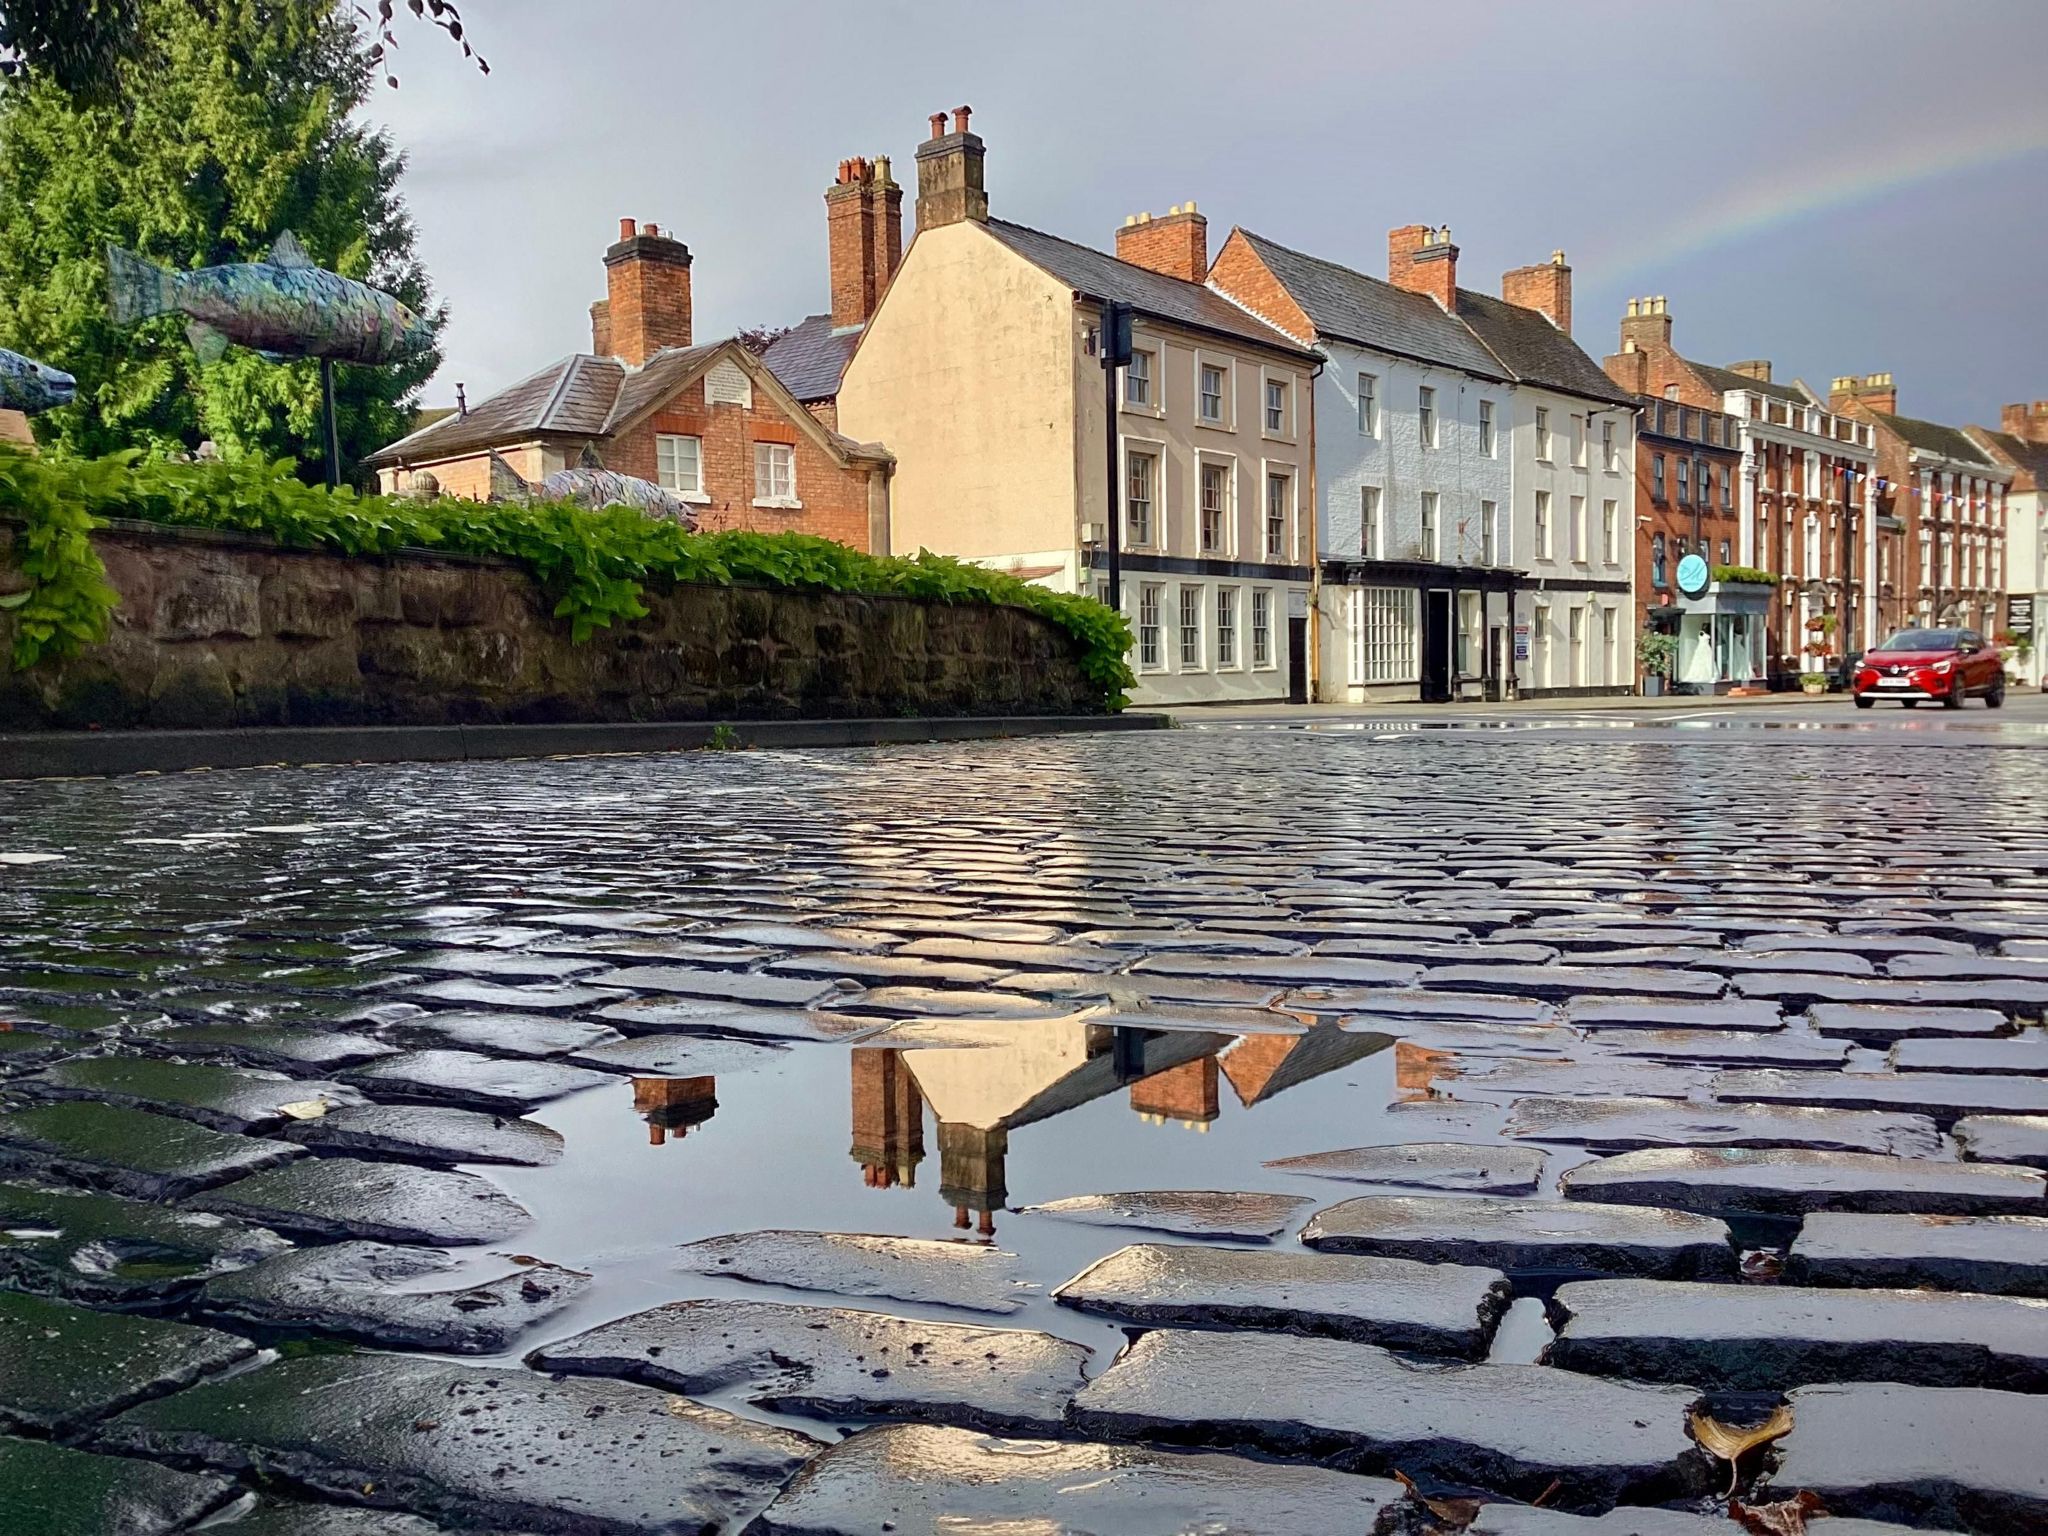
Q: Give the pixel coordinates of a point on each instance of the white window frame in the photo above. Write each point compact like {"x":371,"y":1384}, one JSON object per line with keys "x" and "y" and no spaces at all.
{"x":1383,"y":631}
{"x":1578,"y":531}
{"x":1200,"y":597}
{"x":1426,"y":427}
{"x":1430,"y":507}
{"x":1543,"y":434}
{"x":1229,"y":614}
{"x":1610,"y":532}
{"x":1578,"y":441}
{"x":1226,"y":545}
{"x":1610,"y":451}
{"x":785,"y":498}
{"x":1489,"y":533}
{"x":1149,"y":597}
{"x":1268,"y":381}
{"x":1289,"y":522}
{"x":667,"y":475}
{"x":1137,"y":448}
{"x":1263,"y":653}
{"x":1153,"y":377}
{"x":1368,"y":404}
{"x":1372,"y":527}
{"x":1489,"y":431}
{"x":1542,"y":525}
{"x":1224,"y":420}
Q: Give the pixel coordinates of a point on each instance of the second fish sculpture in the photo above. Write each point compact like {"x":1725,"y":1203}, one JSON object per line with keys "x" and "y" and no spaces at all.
{"x":283,"y":307}
{"x":32,"y":387}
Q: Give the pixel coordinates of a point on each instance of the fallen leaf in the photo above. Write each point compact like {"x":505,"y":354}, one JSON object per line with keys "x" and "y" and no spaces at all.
{"x":1787,"y":1517}
{"x":1457,"y":1515}
{"x":305,"y":1109}
{"x":1731,"y":1442}
{"x":1762,"y":1264}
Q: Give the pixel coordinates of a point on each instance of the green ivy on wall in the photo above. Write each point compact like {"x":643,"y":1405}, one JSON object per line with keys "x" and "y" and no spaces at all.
{"x":596,"y":565}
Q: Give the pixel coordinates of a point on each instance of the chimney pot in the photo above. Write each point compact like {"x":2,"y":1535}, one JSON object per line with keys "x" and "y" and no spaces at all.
{"x":960,"y":118}
{"x":1188,"y":206}
{"x":938,"y":121}
{"x":950,"y":186}
{"x":1557,"y":258}
{"x":1130,"y":219}
{"x":627,"y":229}
{"x":864,"y":238}
{"x":461,"y":401}
{"x":647,"y":301}
{"x":1631,"y":308}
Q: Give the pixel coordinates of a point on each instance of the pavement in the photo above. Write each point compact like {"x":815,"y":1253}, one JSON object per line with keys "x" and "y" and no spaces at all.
{"x":1141,"y":1131}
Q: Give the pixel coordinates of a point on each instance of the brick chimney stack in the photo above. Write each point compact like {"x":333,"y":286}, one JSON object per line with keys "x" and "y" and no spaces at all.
{"x":1647,"y":326}
{"x":1423,"y":260}
{"x":2025,"y":421}
{"x":1174,"y":246}
{"x":1547,"y":288}
{"x":1758,"y":368}
{"x":949,"y":174}
{"x":647,"y":306}
{"x":864,"y":231}
{"x":1875,"y":390}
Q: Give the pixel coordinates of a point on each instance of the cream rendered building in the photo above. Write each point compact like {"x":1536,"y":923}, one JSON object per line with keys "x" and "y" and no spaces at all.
{"x":981,"y":368}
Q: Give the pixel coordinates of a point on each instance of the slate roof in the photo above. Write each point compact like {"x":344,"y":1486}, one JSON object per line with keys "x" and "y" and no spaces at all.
{"x":1933,"y":437}
{"x":811,"y":358}
{"x":2027,"y":458}
{"x":1535,"y":351}
{"x":1352,"y":307}
{"x":661,"y":375}
{"x":572,"y":396}
{"x":1101,"y":276}
{"x":1724,"y":379}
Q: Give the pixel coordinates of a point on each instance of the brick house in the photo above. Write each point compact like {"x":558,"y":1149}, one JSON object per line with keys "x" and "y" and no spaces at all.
{"x":1688,"y":465}
{"x":1805,"y":509}
{"x":1941,"y":505}
{"x":2021,"y":445}
{"x":710,"y":422}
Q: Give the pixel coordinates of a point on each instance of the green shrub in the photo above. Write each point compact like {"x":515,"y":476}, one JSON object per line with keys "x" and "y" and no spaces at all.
{"x":596,"y":565}
{"x":1743,"y":576}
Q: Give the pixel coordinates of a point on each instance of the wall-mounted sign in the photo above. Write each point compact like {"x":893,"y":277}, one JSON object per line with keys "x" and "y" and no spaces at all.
{"x":2019,"y":614}
{"x":1521,"y":642}
{"x":1693,"y":576}
{"x":1297,"y":604}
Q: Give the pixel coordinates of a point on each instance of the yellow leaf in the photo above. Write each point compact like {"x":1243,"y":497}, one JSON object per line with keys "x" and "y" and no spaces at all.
{"x":305,"y":1109}
{"x":1732,"y":1441}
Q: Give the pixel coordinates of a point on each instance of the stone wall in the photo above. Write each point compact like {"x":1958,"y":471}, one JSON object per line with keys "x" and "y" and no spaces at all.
{"x":223,"y":630}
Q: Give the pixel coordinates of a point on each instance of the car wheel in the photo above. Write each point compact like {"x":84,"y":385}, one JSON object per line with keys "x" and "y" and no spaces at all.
{"x":1995,"y":699}
{"x":1953,"y":699}
{"x":1909,"y":703}
{"x":1865,"y":702}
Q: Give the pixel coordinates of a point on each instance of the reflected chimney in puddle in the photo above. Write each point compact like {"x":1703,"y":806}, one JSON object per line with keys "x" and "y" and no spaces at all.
{"x":1186,"y":1093}
{"x":888,"y":1120}
{"x":971,"y":1174}
{"x":674,"y":1104}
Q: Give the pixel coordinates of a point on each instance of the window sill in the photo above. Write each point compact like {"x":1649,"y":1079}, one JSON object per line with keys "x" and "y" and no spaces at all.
{"x":778,"y":504}
{"x":694,"y":498}
{"x":1149,"y":412}
{"x":1215,"y":424}
{"x":1268,"y":436}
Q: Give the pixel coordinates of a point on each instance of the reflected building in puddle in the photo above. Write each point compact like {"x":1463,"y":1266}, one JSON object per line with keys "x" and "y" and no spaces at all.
{"x":674,"y":1105}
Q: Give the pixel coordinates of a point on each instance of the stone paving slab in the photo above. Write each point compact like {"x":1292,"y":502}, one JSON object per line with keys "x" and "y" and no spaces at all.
{"x":50,"y":1490}
{"x":1018,"y":957}
{"x":2004,"y":1139}
{"x":972,"y":1276}
{"x":466,"y":1080}
{"x":540,"y":997}
{"x":835,"y":1363}
{"x":2024,"y":1055}
{"x":704,"y":1016}
{"x":1785,"y":1181}
{"x":1996,"y":1255}
{"x":1945,"y":1096}
{"x":278,"y":1049}
{"x":1526,"y":1235}
{"x":1750,"y":1338}
{"x":889,"y":970}
{"x":1227,"y":1215}
{"x":1435,"y":1165}
{"x":1527,"y":1520}
{"x":1958,"y":1457}
{"x":681,"y":1056}
{"x":1511,"y":1428}
{"x":106,"y":1146}
{"x":282,"y":1517}
{"x":920,"y":1480}
{"x":1623,"y":1124}
{"x":1563,"y":983}
{"x":331,"y":1198}
{"x":372,"y":1293}
{"x":1741,"y":1014}
{"x":1282,"y":970}
{"x":62,"y":1366}
{"x":430,"y":1133}
{"x":1722,"y":1047}
{"x":221,"y":1098}
{"x":476,"y":1445}
{"x":1439,"y":1309}
{"x":103,"y":1250}
{"x":1881,"y":1025}
{"x":502,"y":1034}
{"x":1511,"y":1077}
{"x":1807,"y":990}
{"x":1374,"y":1005}
{"x":717,"y":986}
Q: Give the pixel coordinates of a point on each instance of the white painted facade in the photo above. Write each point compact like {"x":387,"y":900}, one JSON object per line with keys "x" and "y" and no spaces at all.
{"x":1373,"y":476}
{"x":1572,"y":466}
{"x":2026,"y":570}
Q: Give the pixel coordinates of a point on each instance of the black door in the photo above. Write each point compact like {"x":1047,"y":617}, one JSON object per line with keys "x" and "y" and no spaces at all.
{"x":1297,"y":661}
{"x":1436,"y":647}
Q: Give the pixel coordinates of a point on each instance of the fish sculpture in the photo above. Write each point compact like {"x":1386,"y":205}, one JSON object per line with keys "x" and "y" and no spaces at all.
{"x":593,"y":487}
{"x":282,"y":307}
{"x":31,"y":387}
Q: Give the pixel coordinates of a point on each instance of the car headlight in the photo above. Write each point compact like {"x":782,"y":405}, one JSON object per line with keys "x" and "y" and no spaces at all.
{"x":1942,"y":668}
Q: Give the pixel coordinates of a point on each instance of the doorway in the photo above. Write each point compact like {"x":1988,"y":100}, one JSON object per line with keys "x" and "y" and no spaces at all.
{"x":1297,"y":660}
{"x":1436,"y":647}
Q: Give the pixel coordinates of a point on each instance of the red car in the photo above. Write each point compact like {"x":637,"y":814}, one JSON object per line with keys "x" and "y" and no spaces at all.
{"x":1931,"y":664}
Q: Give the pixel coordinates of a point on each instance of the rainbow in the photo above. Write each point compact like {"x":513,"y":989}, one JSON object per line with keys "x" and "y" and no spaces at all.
{"x":1854,"y":175}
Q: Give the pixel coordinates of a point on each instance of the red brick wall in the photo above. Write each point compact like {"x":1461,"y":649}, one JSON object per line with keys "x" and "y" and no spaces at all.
{"x":1674,"y":519}
{"x":1239,"y":273}
{"x":1547,"y":287}
{"x":835,"y":499}
{"x":1176,"y":245}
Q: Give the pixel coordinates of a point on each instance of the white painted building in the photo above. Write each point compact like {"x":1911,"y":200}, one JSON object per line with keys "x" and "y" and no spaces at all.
{"x":1456,"y":436}
{"x":2021,"y":446}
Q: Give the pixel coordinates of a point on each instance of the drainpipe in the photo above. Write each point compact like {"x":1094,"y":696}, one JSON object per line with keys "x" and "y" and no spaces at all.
{"x":1315,"y":563}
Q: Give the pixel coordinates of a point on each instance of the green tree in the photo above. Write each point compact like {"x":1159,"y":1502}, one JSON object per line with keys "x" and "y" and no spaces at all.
{"x":228,"y":124}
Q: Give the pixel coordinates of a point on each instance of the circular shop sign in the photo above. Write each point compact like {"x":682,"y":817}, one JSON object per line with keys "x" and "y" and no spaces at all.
{"x":1692,"y":575}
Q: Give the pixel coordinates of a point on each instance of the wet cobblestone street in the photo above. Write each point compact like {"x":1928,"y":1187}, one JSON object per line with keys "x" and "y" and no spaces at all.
{"x":1186,"y":1131}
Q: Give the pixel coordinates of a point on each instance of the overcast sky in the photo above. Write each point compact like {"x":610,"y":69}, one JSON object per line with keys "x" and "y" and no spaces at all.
{"x":1841,"y":186}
